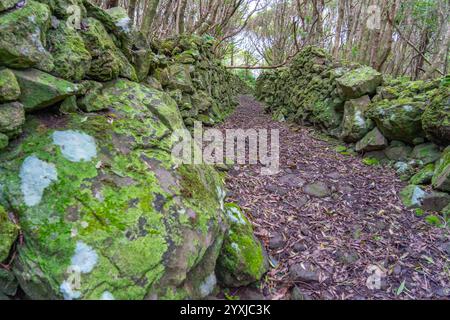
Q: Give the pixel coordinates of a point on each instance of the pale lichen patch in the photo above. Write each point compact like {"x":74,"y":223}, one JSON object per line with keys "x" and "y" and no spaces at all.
{"x":107,"y":296}
{"x":36,"y":175}
{"x":75,"y":146}
{"x":85,"y":258}
{"x":69,"y":293}
{"x":235,"y":215}
{"x":417,"y":196}
{"x":208,"y":285}
{"x":83,"y":261}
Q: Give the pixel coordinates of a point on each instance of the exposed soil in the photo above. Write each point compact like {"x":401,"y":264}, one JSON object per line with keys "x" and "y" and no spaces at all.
{"x":360,"y":224}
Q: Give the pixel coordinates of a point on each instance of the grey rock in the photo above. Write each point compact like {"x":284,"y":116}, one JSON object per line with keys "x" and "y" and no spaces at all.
{"x":292,"y":180}
{"x":398,"y":153}
{"x":303,"y":273}
{"x":435,"y":201}
{"x":276,"y":189}
{"x":373,"y":141}
{"x":300,"y":247}
{"x":318,"y":189}
{"x":298,"y":294}
{"x":427,"y":153}
{"x":277,"y":242}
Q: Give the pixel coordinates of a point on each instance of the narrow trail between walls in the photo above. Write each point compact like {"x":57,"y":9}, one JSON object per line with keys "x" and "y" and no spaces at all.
{"x":333,"y":227}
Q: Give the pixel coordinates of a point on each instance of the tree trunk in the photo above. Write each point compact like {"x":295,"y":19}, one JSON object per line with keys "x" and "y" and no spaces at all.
{"x":386,"y":41}
{"x":132,"y":10}
{"x":149,"y":15}
{"x":444,"y":41}
{"x":112,"y":4}
{"x":337,"y":38}
{"x":181,"y":16}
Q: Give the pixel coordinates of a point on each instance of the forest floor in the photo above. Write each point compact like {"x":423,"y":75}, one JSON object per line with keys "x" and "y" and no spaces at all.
{"x":355,"y":241}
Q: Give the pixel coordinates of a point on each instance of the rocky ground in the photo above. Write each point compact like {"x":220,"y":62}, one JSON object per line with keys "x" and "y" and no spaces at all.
{"x":329,"y":221}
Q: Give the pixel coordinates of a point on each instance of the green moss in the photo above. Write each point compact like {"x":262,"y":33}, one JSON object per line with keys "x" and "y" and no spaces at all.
{"x":371,"y":161}
{"x":424,"y":176}
{"x":196,"y":187}
{"x":40,"y":89}
{"x":359,"y":82}
{"x":23,"y":36}
{"x":433,"y":220}
{"x":242,"y":260}
{"x":412,"y":196}
{"x":4,"y":140}
{"x":108,"y":62}
{"x":441,"y":178}
{"x":8,"y":234}
{"x":436,"y":118}
{"x":71,"y":58}
{"x":398,"y":119}
{"x":9,"y":88}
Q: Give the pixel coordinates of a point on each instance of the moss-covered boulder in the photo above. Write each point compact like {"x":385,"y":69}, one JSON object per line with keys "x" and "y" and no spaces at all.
{"x":105,"y":210}
{"x":355,"y":125}
{"x":325,"y":114}
{"x":412,"y":196}
{"x":398,"y":151}
{"x":9,"y":88}
{"x":40,"y":89}
{"x":89,"y":91}
{"x":359,"y":82}
{"x":23,"y":37}
{"x":398,"y":119}
{"x":108,"y":62}
{"x":441,"y":178}
{"x":159,"y":102}
{"x":128,"y":41}
{"x":373,"y":141}
{"x":426,"y":153}
{"x":65,"y":8}
{"x":436,"y":118}
{"x":187,"y":57}
{"x":7,"y":4}
{"x":139,"y":53}
{"x":242,"y":260}
{"x":115,"y":20}
{"x":8,"y":234}
{"x":69,"y":105}
{"x":12,"y":117}
{"x":119,"y":17}
{"x":424,"y":176}
{"x":152,"y":82}
{"x":72,"y":60}
{"x":179,"y":78}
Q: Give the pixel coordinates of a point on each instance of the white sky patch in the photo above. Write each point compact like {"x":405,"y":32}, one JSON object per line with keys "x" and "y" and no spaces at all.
{"x":36,"y":175}
{"x":75,"y":146}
